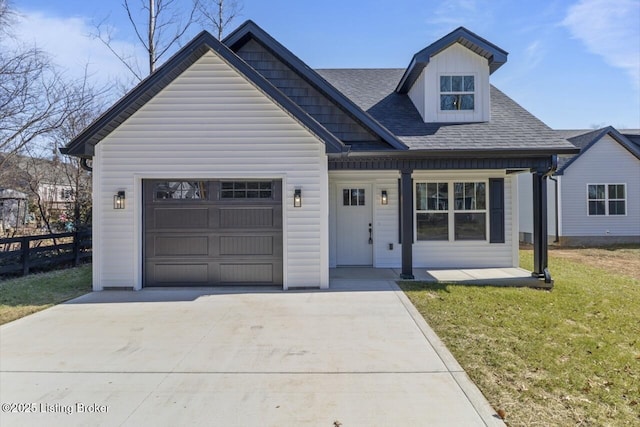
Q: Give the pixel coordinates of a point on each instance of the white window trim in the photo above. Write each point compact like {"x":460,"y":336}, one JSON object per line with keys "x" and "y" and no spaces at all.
{"x":474,"y":93}
{"x":451,"y":212}
{"x":606,"y":199}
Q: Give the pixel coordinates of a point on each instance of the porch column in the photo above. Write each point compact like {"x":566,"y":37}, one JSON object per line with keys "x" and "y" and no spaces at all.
{"x":540,"y":234}
{"x":406,"y":223}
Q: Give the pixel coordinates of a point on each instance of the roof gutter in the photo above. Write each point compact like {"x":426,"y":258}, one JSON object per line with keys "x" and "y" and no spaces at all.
{"x":462,"y":154}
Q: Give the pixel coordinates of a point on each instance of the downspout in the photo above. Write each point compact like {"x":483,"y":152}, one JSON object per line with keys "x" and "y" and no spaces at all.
{"x":555,"y":180}
{"x":84,"y":165}
{"x":549,"y":174}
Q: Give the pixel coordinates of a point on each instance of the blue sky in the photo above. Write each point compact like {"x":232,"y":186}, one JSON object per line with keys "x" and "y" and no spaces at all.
{"x":572,"y":63}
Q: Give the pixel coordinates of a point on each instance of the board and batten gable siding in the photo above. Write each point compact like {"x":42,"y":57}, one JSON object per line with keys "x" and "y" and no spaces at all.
{"x":385,"y":217}
{"x":210,"y":123}
{"x":455,"y":60}
{"x":606,"y":162}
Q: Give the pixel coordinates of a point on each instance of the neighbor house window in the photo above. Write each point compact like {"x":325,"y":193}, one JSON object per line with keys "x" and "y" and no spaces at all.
{"x":432,"y":210}
{"x":66,"y":193}
{"x":457,"y":93}
{"x":606,"y":199}
{"x":470,"y":210}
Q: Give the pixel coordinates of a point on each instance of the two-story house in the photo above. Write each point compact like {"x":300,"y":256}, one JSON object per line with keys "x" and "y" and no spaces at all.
{"x":236,"y":163}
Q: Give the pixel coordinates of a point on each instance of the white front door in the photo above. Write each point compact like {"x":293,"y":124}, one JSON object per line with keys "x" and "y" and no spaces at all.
{"x":354,"y":219}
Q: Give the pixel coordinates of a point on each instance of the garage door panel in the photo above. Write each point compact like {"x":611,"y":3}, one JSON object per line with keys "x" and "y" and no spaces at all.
{"x":246,"y":245}
{"x":172,"y":273}
{"x":246,"y":273}
{"x":181,"y":245}
{"x":235,"y":217}
{"x":181,"y":218}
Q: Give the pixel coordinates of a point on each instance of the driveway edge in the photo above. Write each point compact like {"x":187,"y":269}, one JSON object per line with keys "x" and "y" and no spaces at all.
{"x":473,"y":393}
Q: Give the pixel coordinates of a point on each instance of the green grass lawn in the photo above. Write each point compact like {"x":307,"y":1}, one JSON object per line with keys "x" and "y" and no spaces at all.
{"x":570,"y":356}
{"x":25,"y":295}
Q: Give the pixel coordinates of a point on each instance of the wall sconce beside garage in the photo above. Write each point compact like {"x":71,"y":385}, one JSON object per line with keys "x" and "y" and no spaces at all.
{"x":118,"y":200}
{"x":297,"y":198}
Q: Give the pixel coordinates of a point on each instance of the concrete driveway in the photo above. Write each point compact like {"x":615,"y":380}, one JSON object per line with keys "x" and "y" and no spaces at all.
{"x":356,"y":355}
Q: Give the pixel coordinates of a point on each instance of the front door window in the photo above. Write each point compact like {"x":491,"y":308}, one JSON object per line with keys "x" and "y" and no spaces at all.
{"x":353,"y":197}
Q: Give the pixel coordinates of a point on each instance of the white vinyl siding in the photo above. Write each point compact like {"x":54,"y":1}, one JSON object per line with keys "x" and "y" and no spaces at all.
{"x":459,"y":61}
{"x":417,"y":94}
{"x":210,"y":123}
{"x":606,"y":162}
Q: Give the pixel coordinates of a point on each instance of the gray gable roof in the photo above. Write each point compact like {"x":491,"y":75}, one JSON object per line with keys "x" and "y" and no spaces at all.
{"x":83,"y":144}
{"x":369,"y":96}
{"x":587,"y":139}
{"x":494,"y":55}
{"x":511,"y":128}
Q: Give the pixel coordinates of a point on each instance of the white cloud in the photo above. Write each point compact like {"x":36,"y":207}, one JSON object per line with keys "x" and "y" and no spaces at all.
{"x":533,"y":54}
{"x":68,"y":42}
{"x":473,"y":14}
{"x":609,"y":28}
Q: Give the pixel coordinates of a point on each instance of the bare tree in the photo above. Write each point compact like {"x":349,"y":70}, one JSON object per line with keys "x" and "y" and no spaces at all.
{"x":158,"y":25}
{"x":218,"y":14}
{"x":34,"y":98}
{"x":5,"y":17}
{"x":90,"y":103}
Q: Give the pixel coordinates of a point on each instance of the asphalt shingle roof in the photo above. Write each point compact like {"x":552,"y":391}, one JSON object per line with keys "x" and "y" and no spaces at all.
{"x":584,"y":138}
{"x":511,"y":127}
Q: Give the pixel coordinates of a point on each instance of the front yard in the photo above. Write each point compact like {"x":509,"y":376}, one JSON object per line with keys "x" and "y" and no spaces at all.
{"x":25,"y":295}
{"x":570,"y":356}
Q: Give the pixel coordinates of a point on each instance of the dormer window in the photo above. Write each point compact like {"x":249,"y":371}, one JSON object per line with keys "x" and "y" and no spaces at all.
{"x":457,"y":93}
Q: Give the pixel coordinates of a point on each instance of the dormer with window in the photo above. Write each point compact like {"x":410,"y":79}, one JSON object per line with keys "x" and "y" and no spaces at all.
{"x":448,"y":81}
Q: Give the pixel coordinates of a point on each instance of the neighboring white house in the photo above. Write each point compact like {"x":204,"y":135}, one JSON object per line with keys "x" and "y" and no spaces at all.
{"x":594,"y":197}
{"x":236,"y":163}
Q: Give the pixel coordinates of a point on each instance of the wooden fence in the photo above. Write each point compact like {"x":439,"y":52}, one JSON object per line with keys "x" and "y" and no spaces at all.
{"x":22,"y":255}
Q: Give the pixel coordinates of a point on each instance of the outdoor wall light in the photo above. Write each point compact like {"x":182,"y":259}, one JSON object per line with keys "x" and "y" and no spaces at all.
{"x":385,"y":198}
{"x":297,"y":198}
{"x":118,"y":200}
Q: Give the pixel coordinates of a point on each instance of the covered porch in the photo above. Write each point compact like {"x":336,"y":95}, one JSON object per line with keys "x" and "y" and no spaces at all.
{"x":399,"y":242}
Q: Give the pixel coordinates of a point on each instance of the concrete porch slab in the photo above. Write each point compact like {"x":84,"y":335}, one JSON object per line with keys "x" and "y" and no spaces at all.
{"x":517,"y":277}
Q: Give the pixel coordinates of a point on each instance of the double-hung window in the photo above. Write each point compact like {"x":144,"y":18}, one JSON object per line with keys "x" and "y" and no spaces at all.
{"x":606,"y":199}
{"x":457,"y":206}
{"x":457,"y":93}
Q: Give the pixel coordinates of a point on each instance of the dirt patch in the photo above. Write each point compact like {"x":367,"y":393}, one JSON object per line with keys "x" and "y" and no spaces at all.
{"x":621,"y":260}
